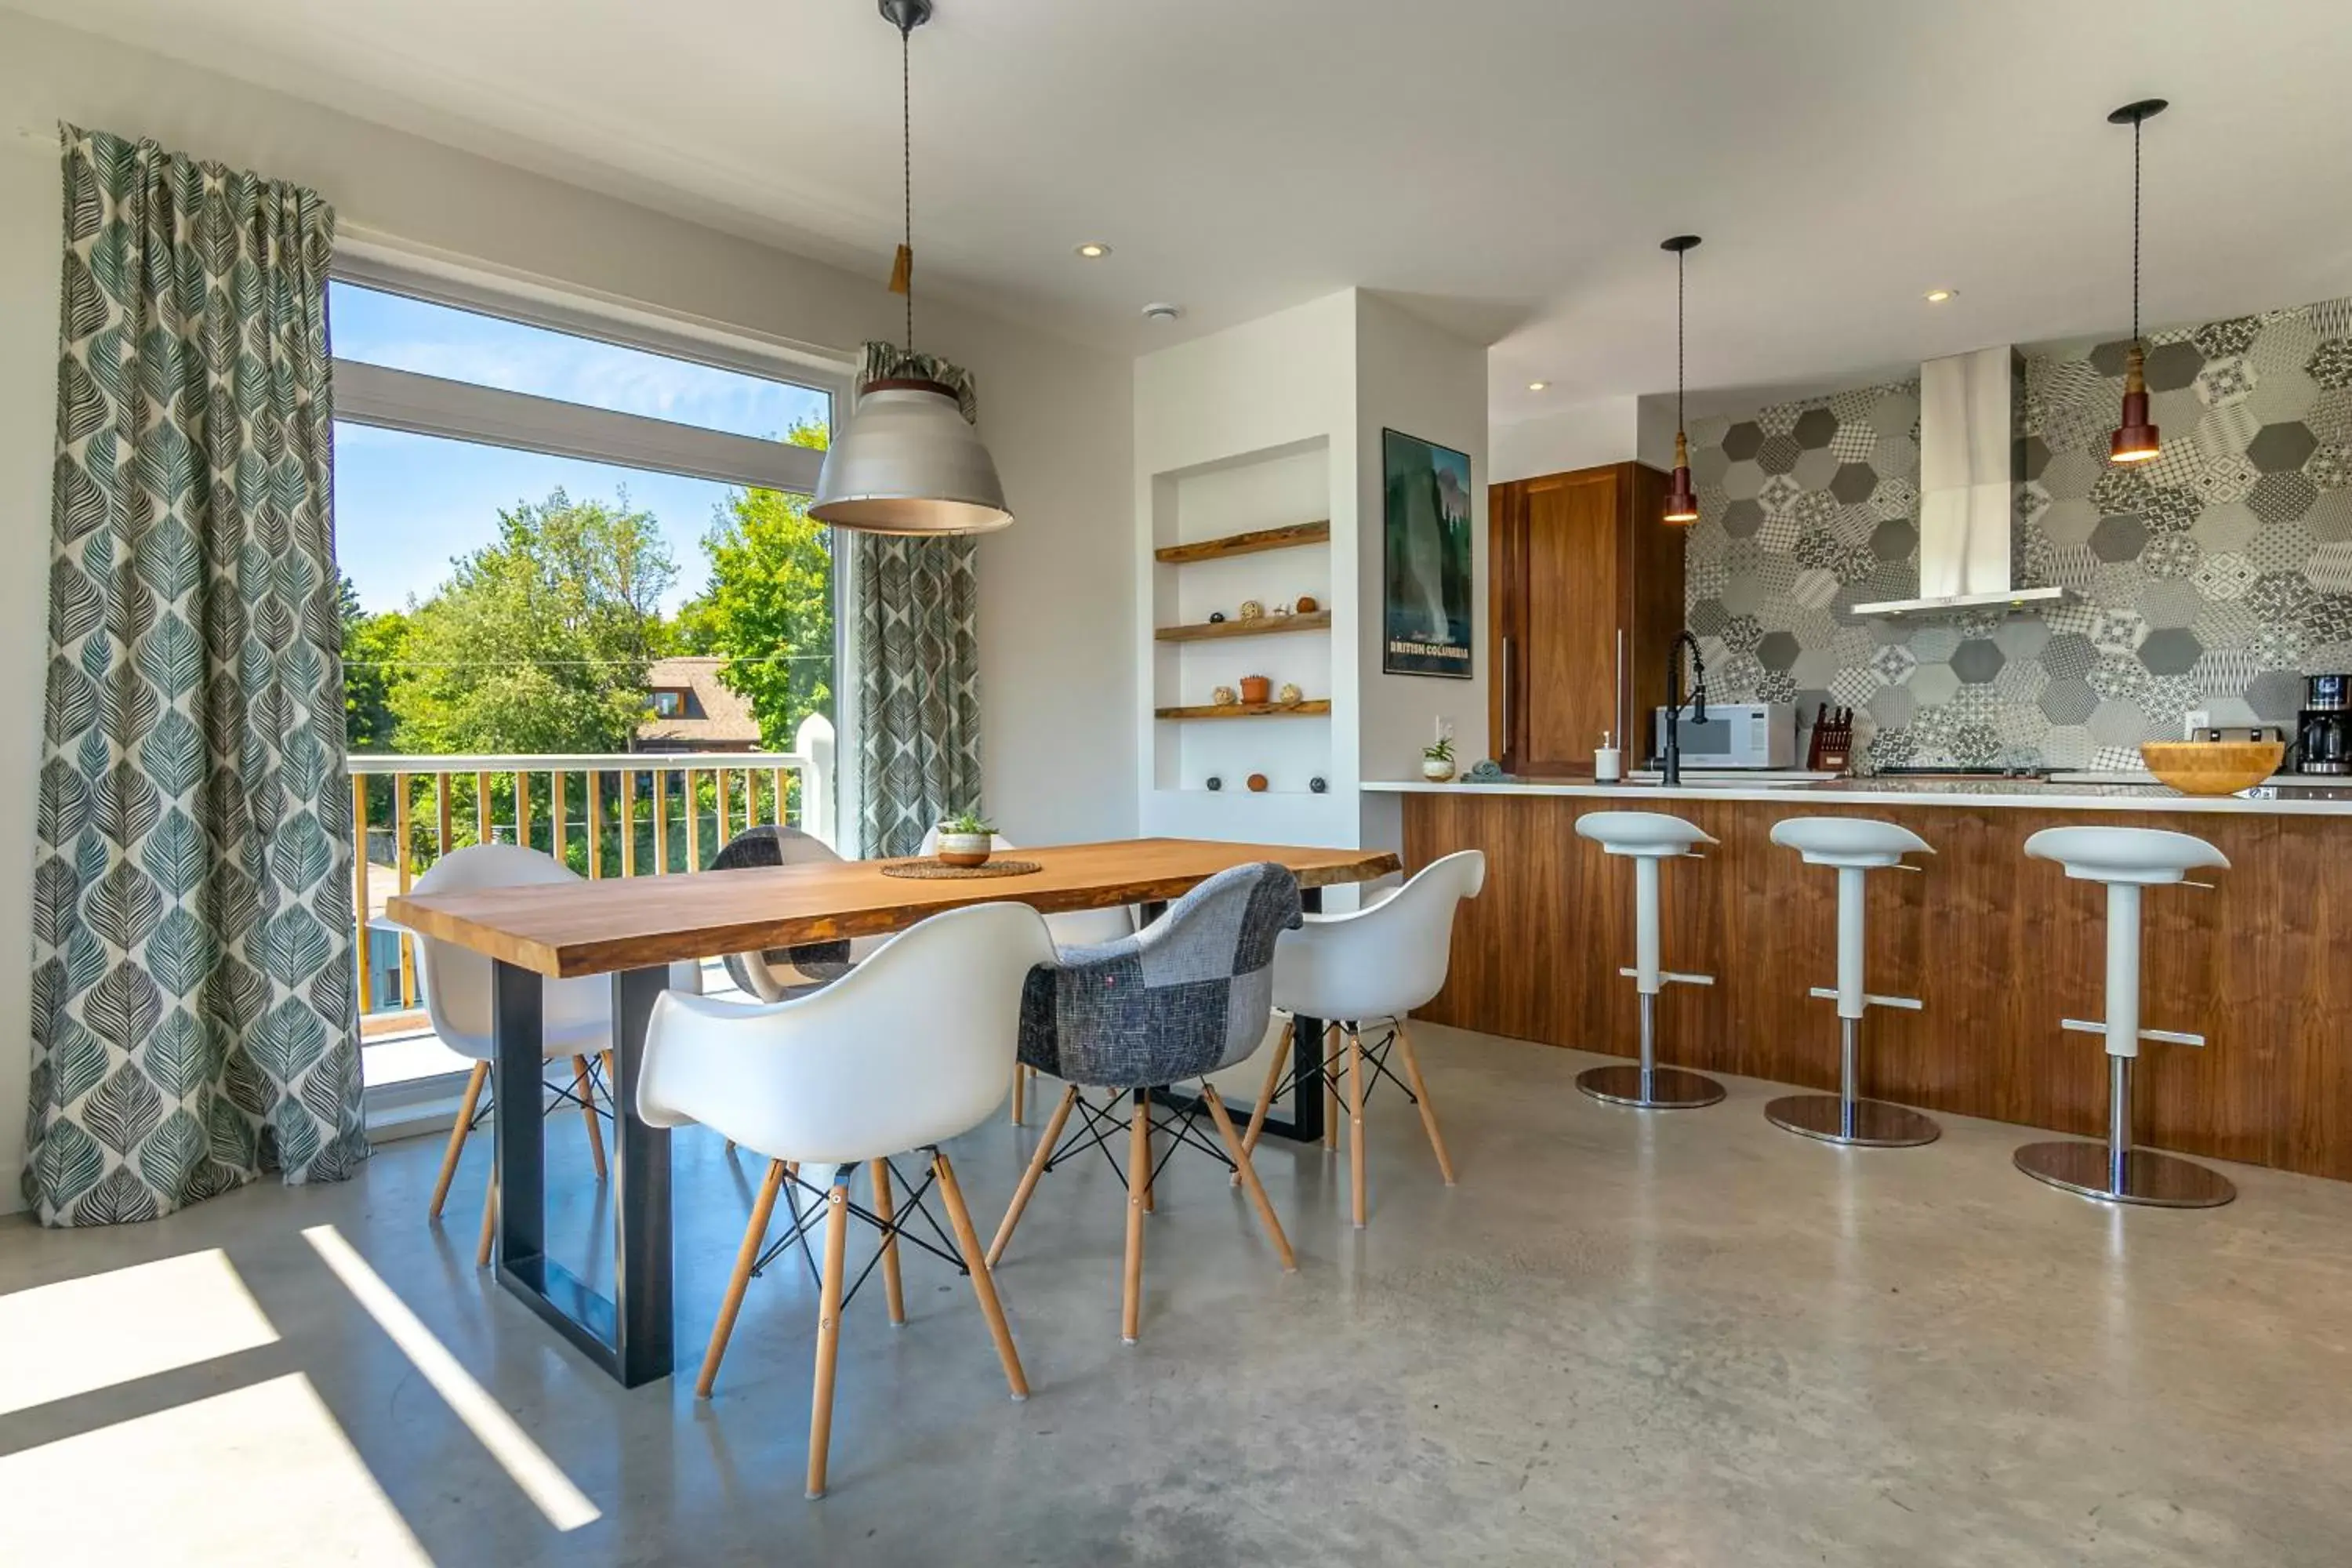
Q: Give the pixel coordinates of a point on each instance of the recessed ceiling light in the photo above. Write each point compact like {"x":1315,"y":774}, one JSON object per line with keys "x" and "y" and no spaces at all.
{"x":1160,"y":310}
{"x":1538,"y":385}
{"x":1938,"y":296}
{"x":1094,"y":250}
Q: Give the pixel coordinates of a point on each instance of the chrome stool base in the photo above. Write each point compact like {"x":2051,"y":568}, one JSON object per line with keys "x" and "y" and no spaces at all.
{"x":1658,"y":1089}
{"x":2130,"y":1176}
{"x":1864,"y":1123}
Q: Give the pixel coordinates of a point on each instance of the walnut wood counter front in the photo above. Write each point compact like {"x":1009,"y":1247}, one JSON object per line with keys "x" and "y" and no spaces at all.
{"x":1998,"y":947}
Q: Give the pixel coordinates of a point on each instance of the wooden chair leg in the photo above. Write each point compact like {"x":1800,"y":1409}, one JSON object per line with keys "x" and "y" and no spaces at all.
{"x":1138,"y":1165}
{"x":1428,"y":1107}
{"x":612,"y":1083}
{"x":982,"y":1285}
{"x":1330,"y":1088}
{"x":588,"y":1113}
{"x":474,"y":1082}
{"x":1265,"y":1094}
{"x":1247,"y":1170}
{"x":1029,"y":1177}
{"x":489,"y":1222}
{"x":1020,"y":1093}
{"x":1151,"y":1198}
{"x":1355,"y":1123}
{"x":754,"y":1234}
{"x":828,"y":1327}
{"x":884,"y":1210}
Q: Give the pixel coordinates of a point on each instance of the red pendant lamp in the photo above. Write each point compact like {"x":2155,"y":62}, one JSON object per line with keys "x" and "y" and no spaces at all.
{"x":2134,"y":440}
{"x":1682,"y":499}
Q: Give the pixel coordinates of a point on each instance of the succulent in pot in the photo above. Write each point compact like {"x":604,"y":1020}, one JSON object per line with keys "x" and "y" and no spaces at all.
{"x":1437,"y":761}
{"x":965,"y":839}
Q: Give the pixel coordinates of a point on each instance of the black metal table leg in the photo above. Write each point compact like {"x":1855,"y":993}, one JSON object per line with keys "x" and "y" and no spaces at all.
{"x":629,"y":1333}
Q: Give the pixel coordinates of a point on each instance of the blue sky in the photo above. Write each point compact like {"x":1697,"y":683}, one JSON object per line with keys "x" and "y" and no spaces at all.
{"x":405,"y":505}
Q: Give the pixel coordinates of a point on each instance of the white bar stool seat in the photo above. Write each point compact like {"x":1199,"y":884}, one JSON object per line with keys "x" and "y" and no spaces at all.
{"x":1855,"y":846}
{"x":2128,"y":860}
{"x":1647,"y":837}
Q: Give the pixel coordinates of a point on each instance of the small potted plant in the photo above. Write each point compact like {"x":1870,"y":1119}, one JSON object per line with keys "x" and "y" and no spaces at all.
{"x":1437,"y":760}
{"x":965,"y":839}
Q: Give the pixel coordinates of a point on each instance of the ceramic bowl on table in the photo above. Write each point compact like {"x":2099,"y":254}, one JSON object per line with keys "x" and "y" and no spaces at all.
{"x":2213,"y":767}
{"x":965,"y":849}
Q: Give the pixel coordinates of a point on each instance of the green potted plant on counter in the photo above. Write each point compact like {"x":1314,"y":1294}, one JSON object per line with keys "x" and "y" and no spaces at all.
{"x":965,"y":839}
{"x":1437,"y":760}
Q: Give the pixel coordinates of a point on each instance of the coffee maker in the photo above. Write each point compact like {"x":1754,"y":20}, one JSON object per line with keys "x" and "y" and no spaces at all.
{"x":2323,"y":743}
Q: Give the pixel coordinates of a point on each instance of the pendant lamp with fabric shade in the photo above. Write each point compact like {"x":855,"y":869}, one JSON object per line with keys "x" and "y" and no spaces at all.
{"x":910,"y":462}
{"x":1681,"y":499}
{"x":2134,"y":440}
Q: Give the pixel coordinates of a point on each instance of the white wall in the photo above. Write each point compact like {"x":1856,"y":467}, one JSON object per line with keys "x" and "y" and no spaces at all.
{"x":1056,"y":632}
{"x":1581,"y":436}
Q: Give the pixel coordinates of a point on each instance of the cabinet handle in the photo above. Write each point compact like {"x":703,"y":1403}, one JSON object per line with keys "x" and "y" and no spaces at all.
{"x":1506,"y":748}
{"x":1624,"y":720}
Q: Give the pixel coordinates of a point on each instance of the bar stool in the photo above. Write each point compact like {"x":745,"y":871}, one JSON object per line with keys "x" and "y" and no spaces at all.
{"x":1647,"y":837}
{"x":1855,"y":846}
{"x":2127,"y":859}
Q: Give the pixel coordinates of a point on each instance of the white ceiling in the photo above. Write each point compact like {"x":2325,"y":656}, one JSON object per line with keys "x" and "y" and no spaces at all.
{"x":1505,"y":166}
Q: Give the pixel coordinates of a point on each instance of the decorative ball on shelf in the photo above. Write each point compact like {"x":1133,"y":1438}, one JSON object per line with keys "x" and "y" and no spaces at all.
{"x":1289,"y":696}
{"x":1257,"y":784}
{"x":1316,"y":785}
{"x":1215,"y":783}
{"x":1307,"y":605}
{"x":1251,"y":610}
{"x":1217,"y":617}
{"x":1222,"y":696}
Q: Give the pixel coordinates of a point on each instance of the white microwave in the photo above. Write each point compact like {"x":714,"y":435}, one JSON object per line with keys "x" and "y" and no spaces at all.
{"x":1736,"y":735}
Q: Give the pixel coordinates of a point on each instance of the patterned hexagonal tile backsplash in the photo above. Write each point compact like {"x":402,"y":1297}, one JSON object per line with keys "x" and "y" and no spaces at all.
{"x":2212,"y":579}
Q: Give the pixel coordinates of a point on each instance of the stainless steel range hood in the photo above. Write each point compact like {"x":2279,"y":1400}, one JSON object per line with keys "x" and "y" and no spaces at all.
{"x":1970,"y":464}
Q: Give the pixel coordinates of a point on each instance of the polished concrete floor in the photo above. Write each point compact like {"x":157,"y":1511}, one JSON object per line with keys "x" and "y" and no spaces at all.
{"x":1661,"y":1340}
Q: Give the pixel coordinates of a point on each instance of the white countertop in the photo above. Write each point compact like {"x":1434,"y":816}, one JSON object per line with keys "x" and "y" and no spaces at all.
{"x":2300,"y":800}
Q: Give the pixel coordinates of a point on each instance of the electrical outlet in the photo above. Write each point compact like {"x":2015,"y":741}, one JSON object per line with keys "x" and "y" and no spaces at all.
{"x":2195,"y":722}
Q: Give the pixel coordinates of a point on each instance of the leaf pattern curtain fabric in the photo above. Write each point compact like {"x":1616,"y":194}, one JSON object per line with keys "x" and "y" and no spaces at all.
{"x":918,"y":656}
{"x":193,"y":993}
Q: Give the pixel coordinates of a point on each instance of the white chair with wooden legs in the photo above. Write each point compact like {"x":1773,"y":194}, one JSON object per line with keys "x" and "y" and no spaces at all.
{"x":578,"y":1014}
{"x":2129,"y":860}
{"x":1188,"y":995}
{"x":1375,"y":963}
{"x":910,"y":1048}
{"x":1647,"y":839}
{"x":1855,"y":846}
{"x":1071,"y":928}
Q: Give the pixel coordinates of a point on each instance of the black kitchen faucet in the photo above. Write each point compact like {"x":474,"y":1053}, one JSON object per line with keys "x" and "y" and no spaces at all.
{"x":1671,"y":777}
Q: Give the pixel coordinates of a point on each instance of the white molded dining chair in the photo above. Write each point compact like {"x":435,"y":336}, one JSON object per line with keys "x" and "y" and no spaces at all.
{"x":576,"y":1016}
{"x":1377,"y":962}
{"x":908,"y":1049}
{"x":1071,"y":928}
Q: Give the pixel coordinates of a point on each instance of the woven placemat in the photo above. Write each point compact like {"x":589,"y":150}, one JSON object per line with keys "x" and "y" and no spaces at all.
{"x":932,"y":870}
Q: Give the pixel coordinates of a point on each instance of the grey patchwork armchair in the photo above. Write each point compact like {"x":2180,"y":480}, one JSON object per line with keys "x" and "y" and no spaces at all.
{"x":1188,"y":995}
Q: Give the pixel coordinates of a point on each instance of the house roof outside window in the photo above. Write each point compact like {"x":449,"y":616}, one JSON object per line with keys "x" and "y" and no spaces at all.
{"x":709,"y":718}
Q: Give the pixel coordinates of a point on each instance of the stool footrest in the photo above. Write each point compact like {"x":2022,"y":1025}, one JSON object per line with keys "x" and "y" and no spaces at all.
{"x":2162,"y":1037}
{"x":1829,"y":993}
{"x":1671,"y":978}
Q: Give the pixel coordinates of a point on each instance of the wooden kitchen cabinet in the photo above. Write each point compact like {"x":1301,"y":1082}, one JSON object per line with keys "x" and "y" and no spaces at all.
{"x":1586,"y":597}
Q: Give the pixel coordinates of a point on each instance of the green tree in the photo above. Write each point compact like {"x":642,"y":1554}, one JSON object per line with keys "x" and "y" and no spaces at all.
{"x":769,"y":608}
{"x":372,"y":645}
{"x":538,"y":642}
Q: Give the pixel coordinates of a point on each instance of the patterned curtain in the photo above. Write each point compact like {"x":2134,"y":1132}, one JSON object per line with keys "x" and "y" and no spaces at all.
{"x":193,"y":1019}
{"x":917,"y":658}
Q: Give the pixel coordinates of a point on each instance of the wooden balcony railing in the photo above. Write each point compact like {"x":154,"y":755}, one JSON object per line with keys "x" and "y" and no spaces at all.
{"x":639,"y":814}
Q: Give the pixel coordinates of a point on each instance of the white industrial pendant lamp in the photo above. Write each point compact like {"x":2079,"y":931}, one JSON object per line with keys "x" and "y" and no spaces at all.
{"x":910,"y":462}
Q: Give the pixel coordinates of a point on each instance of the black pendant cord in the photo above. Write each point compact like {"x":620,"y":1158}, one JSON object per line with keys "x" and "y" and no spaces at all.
{"x":907,"y":167}
{"x":1678,"y":340}
{"x":2135,"y":129}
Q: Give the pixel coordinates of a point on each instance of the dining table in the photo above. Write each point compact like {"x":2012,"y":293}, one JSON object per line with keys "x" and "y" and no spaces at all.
{"x":633,"y":929}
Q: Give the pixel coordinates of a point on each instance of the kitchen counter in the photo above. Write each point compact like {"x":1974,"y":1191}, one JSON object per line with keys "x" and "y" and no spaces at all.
{"x":2268,"y":800}
{"x":1998,"y":947}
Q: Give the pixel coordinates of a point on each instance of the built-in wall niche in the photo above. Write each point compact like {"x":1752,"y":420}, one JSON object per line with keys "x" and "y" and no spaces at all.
{"x":1253,"y":528}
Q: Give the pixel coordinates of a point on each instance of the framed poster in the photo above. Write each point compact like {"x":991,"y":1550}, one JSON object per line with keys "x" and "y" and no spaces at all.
{"x":1426,"y":536}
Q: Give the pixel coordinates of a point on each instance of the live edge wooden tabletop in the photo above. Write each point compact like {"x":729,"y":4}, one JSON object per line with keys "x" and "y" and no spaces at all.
{"x":567,"y":930}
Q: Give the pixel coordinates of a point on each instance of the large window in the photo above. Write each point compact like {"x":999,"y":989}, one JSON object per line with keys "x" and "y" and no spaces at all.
{"x":561,"y":553}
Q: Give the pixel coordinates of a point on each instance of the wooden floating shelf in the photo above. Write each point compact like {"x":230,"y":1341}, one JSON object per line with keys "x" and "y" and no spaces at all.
{"x":1246,"y":710}
{"x":1244,"y":544}
{"x":1263,"y":626}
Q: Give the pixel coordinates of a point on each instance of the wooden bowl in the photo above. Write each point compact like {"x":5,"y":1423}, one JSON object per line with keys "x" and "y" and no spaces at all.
{"x":2213,"y":767}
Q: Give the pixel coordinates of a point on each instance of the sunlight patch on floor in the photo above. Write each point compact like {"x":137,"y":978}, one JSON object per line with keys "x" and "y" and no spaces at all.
{"x":80,"y":1336}
{"x":565,"y":1504}
{"x":259,"y":1476}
